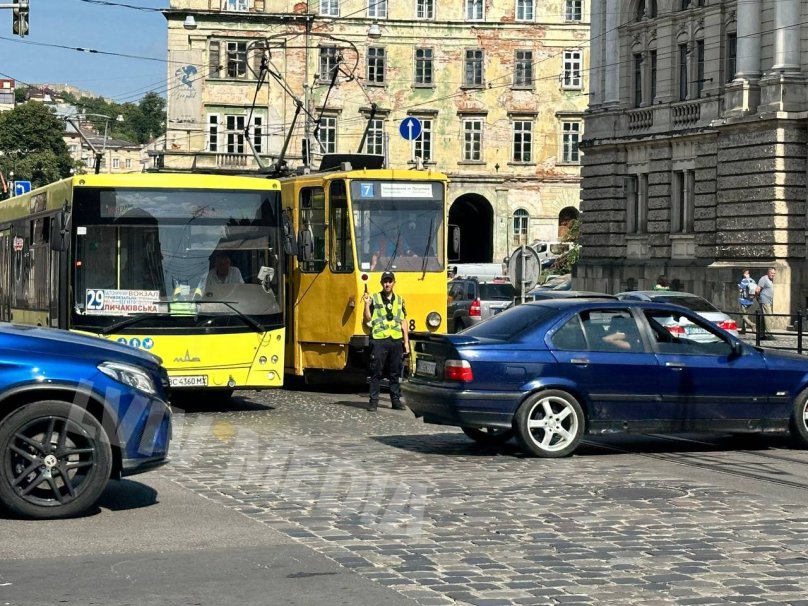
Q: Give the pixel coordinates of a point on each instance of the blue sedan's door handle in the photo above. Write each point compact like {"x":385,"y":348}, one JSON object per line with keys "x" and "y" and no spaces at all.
{"x":580,"y":360}
{"x":675,"y":364}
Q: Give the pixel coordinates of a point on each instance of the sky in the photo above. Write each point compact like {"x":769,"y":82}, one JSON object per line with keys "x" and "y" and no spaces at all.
{"x":89,"y":24}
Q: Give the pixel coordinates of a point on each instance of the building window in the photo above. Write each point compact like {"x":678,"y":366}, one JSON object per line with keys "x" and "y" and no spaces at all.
{"x":7,"y":97}
{"x":732,"y":56}
{"x":374,"y":143}
{"x":646,"y":9}
{"x":653,"y":69}
{"x":423,"y":144}
{"x":423,"y":66}
{"x":258,"y":134}
{"x":637,"y":204}
{"x":699,"y":67}
{"x":573,"y":10}
{"x":329,"y":63}
{"x":473,"y":140}
{"x":570,"y":137}
{"x":682,"y":72}
{"x":116,"y":163}
{"x":637,"y":79}
{"x":523,"y":72}
{"x":377,"y":9}
{"x":473,"y":73}
{"x":684,"y":182}
{"x":129,"y":163}
{"x":572,"y":70}
{"x":213,"y":132}
{"x":235,"y":134}
{"x":375,"y":73}
{"x":236,"y":5}
{"x":329,"y":8}
{"x":327,"y":134}
{"x":524,"y":10}
{"x":522,"y":141}
{"x":521,"y":218}
{"x":425,"y":9}
{"x":236,"y":59}
{"x":474,"y":10}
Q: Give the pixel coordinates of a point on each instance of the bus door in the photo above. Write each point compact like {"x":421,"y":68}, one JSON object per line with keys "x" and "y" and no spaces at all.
{"x":6,"y":244}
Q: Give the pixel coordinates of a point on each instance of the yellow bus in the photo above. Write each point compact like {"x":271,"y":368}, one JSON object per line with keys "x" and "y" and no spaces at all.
{"x":188,"y":267}
{"x":352,"y":225}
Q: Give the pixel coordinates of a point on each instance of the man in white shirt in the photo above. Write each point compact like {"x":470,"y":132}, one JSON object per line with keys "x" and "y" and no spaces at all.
{"x":223,"y":271}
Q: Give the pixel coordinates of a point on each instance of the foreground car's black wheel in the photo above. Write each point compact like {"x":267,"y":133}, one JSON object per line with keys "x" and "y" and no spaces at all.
{"x":550,"y":424}
{"x":799,"y":420}
{"x":488,"y":435}
{"x":55,"y":460}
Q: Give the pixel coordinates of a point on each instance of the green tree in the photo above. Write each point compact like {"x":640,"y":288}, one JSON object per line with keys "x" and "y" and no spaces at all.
{"x":32,"y":144}
{"x":567,"y":261}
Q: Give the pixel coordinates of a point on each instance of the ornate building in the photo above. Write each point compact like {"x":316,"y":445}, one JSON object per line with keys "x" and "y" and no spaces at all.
{"x":500,"y":89}
{"x":694,"y":159}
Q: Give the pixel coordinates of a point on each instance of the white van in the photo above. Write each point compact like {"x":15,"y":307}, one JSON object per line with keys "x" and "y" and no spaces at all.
{"x":484,"y":272}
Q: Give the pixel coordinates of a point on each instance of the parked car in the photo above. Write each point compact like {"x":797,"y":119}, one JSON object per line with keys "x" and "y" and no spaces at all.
{"x":539,"y":294}
{"x":559,"y":282}
{"x":469,"y":301}
{"x":693,"y":302}
{"x":551,"y":371}
{"x":75,"y":411}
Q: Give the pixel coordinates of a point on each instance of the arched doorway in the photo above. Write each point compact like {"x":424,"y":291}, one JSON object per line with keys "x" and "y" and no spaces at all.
{"x":474,"y":217}
{"x":565,"y":219}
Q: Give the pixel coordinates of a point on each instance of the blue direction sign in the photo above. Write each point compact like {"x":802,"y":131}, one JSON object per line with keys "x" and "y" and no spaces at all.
{"x":21,"y":187}
{"x":410,"y":128}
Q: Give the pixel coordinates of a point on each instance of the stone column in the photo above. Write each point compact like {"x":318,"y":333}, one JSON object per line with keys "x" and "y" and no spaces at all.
{"x":596,"y":53}
{"x":786,"y":36}
{"x":612,"y":53}
{"x":748,"y":41}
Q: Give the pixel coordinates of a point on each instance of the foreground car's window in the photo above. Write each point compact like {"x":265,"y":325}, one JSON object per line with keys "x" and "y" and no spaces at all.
{"x":696,"y":304}
{"x":497,"y":292}
{"x":679,"y":334}
{"x":511,"y":323}
{"x":604,"y":330}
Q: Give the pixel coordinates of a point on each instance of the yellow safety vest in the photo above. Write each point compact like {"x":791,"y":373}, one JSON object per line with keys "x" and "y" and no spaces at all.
{"x":380,"y":326}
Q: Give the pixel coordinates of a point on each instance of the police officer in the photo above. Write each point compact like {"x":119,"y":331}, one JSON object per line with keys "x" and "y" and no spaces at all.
{"x":389,"y":339}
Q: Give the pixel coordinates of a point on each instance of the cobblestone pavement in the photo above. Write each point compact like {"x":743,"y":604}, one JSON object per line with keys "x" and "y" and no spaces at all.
{"x":441,"y":520}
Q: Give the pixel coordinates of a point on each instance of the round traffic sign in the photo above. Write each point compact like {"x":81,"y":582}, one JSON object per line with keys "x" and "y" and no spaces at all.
{"x":524,"y":267}
{"x":410,"y":128}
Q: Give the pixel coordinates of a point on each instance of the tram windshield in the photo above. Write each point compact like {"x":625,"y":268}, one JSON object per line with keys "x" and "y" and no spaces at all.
{"x":399,"y":225}
{"x":173,"y":259}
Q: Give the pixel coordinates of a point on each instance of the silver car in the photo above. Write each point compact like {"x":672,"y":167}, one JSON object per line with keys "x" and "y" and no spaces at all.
{"x":700,"y":305}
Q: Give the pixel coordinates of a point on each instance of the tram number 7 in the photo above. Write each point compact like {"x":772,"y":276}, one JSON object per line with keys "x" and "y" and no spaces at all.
{"x":95,"y":299}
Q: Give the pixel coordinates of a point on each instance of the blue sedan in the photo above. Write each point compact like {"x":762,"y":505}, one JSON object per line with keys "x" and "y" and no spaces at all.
{"x":551,"y":371}
{"x":75,"y":411}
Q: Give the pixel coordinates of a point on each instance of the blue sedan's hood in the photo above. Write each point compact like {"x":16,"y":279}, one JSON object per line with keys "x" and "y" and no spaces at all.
{"x":54,"y":342}
{"x":785,"y":359}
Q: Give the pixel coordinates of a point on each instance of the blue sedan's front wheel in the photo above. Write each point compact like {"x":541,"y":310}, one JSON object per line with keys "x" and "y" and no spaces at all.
{"x":799,"y":420}
{"x":550,"y":424}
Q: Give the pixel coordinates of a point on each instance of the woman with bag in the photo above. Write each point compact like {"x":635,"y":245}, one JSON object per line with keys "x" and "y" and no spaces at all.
{"x":747,"y":289}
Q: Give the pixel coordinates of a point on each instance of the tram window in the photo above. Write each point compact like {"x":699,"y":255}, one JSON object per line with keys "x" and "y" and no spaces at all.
{"x":312,"y":218}
{"x":341,"y":258}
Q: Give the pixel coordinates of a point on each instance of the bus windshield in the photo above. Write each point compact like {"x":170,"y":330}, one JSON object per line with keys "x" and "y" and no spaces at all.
{"x":200,"y":258}
{"x":399,"y":225}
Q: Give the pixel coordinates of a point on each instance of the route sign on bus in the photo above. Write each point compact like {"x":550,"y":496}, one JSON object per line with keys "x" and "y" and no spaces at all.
{"x":410,"y":128}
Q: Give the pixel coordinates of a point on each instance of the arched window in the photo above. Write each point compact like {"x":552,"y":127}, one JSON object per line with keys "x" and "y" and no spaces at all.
{"x":520,"y":222}
{"x":646,"y":9}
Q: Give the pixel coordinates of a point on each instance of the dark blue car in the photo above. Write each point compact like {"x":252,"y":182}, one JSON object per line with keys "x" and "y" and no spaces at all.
{"x":552,"y":371}
{"x":75,"y":411}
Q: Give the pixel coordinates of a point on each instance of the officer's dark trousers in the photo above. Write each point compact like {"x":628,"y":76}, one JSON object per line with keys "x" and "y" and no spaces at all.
{"x":386,"y":352}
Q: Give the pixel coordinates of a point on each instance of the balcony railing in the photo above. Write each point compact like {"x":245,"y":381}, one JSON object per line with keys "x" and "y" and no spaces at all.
{"x":639,"y":119}
{"x":685,"y":114}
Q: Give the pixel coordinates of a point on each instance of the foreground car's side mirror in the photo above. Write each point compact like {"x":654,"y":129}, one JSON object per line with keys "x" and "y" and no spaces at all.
{"x":737,"y":349}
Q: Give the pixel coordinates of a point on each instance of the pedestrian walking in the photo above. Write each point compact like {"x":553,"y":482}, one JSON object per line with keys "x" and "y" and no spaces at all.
{"x":389,"y":340}
{"x":662,"y":283}
{"x":765,"y":297}
{"x":747,"y":291}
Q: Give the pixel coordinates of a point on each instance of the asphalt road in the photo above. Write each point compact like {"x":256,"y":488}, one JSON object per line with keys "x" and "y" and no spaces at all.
{"x":303,"y":497}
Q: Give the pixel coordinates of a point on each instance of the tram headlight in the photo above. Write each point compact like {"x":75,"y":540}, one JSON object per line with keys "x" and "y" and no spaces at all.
{"x":433,"y":319}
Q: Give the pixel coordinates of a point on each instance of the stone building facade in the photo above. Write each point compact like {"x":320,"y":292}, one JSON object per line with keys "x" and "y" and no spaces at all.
{"x":500,"y":89}
{"x":694,"y":160}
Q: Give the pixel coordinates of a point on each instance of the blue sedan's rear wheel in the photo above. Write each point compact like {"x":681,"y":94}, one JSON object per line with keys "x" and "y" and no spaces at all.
{"x":489,"y":435}
{"x":55,"y":460}
{"x":550,"y":424}
{"x":799,"y":420}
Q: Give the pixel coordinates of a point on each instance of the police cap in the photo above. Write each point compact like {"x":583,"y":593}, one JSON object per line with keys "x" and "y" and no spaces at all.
{"x":388,"y":275}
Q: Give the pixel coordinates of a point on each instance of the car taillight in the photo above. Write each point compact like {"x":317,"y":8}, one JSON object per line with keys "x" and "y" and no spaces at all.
{"x":457,"y":370}
{"x":475,"y":310}
{"x":728,"y":325}
{"x":676,"y":330}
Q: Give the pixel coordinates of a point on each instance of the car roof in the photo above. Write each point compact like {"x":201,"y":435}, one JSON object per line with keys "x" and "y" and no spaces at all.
{"x":603,"y":303}
{"x":570,"y":294}
{"x":659,"y":293}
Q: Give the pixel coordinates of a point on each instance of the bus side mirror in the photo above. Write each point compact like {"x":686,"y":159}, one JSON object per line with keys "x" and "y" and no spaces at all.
{"x":58,"y":236}
{"x":454,"y":242}
{"x":305,"y":246}
{"x":289,"y":244}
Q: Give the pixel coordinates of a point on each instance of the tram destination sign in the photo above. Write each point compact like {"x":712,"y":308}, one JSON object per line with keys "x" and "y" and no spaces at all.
{"x":395,"y":189}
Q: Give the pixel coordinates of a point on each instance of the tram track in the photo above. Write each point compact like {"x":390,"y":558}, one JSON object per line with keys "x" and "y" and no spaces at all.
{"x":684,"y":460}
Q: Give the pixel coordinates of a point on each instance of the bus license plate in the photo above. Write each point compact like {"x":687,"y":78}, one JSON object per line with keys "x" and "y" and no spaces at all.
{"x":189,"y":381}
{"x":424,"y":367}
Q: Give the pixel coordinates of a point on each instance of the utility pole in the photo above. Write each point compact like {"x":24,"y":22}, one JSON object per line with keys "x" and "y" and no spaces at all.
{"x":19,"y":25}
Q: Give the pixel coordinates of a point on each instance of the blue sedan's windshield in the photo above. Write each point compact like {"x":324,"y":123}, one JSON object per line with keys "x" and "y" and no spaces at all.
{"x":510,"y":324}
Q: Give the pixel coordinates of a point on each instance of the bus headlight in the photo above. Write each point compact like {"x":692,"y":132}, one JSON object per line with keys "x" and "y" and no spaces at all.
{"x":433,"y":319}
